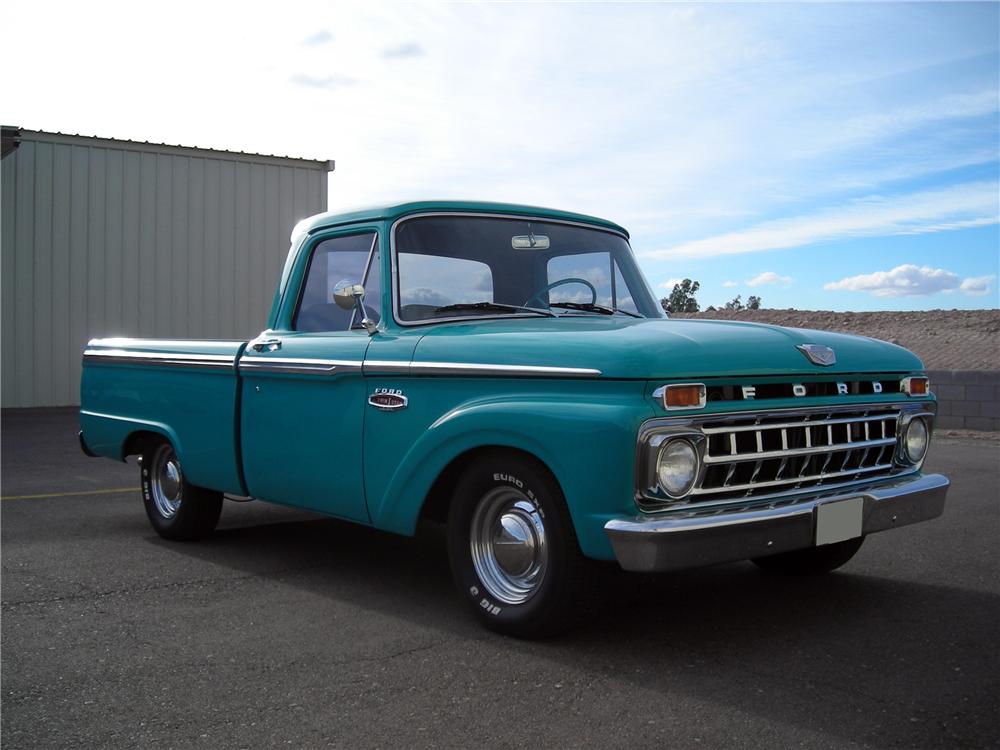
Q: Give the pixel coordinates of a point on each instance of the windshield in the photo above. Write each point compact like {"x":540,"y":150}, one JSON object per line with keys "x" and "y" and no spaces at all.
{"x":460,"y":266}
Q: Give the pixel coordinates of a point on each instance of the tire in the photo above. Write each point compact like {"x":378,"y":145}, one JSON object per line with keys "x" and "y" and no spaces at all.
{"x":811,"y":561}
{"x":177,"y":509}
{"x":513,"y":552}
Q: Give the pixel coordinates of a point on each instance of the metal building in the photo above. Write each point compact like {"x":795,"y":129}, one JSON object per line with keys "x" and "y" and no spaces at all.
{"x":104,"y":237}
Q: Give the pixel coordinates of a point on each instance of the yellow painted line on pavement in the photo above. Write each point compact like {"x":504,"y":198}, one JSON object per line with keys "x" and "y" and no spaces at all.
{"x":115,"y":491}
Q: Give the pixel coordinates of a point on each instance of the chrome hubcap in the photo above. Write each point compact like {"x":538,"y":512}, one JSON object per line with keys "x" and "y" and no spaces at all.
{"x":166,"y":481}
{"x":507,"y":538}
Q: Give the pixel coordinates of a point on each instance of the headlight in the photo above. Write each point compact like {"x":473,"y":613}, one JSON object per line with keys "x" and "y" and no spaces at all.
{"x":915,"y":440}
{"x":677,"y":467}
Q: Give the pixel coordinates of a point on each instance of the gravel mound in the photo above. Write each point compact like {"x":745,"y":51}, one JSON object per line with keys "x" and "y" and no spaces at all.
{"x":943,"y":339}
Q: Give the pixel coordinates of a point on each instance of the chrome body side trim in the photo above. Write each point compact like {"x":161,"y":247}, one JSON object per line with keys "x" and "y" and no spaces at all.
{"x":475,"y":369}
{"x":386,"y":367}
{"x":126,"y":357}
{"x":298,"y":365}
{"x":122,"y":342}
{"x":470,"y":369}
{"x":693,"y":539}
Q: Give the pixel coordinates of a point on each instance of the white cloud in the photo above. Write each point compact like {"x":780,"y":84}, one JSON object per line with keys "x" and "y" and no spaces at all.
{"x":815,"y":105}
{"x":977,"y":286}
{"x":669,"y":284}
{"x":910,"y":280}
{"x":955,"y":207}
{"x":769,"y":277}
{"x":730,"y":284}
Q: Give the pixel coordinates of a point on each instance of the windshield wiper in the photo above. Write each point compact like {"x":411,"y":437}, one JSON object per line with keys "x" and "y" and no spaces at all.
{"x":495,"y":306}
{"x":588,"y":307}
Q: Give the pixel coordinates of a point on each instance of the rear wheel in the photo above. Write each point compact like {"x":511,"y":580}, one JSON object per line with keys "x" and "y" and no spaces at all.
{"x":811,"y":561}
{"x":176,"y":508}
{"x":512,"y":548}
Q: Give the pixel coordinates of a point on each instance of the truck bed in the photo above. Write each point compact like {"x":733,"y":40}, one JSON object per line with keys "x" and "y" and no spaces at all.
{"x":185,"y":390}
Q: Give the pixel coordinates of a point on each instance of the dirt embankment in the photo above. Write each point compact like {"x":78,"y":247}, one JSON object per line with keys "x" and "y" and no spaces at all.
{"x":943,"y":339}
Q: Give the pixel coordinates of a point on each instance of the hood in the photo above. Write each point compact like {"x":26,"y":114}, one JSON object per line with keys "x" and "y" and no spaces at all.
{"x":660,"y":348}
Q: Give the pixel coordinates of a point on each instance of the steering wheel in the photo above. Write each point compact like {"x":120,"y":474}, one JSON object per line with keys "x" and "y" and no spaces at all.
{"x":561,"y":282}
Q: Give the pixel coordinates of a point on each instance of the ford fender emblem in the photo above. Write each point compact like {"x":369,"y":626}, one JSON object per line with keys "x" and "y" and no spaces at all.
{"x":818,"y":354}
{"x":388,"y":399}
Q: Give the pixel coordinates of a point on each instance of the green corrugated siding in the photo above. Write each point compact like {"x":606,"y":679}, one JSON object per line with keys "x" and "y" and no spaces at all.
{"x":105,"y":238}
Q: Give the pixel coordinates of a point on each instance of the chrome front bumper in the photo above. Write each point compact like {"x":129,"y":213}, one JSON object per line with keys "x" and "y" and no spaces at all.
{"x":689,"y":540}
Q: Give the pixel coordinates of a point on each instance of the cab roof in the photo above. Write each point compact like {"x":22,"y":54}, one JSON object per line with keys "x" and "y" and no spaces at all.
{"x":395,"y":211}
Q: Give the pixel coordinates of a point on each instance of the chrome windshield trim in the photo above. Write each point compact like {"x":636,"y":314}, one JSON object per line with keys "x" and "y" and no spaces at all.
{"x":298,"y":365}
{"x":394,"y":261}
{"x":163,"y":359}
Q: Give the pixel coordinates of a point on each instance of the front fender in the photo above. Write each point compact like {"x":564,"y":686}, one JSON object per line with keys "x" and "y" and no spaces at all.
{"x":588,"y":445}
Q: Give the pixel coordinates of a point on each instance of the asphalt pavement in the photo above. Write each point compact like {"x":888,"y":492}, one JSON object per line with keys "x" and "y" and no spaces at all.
{"x":289,"y":629}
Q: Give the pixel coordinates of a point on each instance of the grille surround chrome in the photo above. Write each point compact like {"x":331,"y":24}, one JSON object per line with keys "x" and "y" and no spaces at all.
{"x":856,"y":445}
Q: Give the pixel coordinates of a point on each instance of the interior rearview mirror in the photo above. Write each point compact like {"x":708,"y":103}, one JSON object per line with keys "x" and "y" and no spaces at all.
{"x":530,"y":242}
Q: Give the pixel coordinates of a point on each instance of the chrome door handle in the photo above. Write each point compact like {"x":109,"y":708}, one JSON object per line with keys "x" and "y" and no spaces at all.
{"x":266,"y":345}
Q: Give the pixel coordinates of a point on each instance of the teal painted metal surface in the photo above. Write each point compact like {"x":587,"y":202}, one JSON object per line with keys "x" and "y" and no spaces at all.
{"x":583,"y":431}
{"x":658,"y":348}
{"x":392,"y":212}
{"x":301,"y":433}
{"x":311,"y":440}
{"x":193,"y":406}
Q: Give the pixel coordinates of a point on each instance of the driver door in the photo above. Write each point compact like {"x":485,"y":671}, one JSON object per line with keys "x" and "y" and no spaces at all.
{"x":303,"y":393}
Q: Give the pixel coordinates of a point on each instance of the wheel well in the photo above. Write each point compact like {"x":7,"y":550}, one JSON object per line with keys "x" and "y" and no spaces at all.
{"x":137,"y":442}
{"x":438,"y":499}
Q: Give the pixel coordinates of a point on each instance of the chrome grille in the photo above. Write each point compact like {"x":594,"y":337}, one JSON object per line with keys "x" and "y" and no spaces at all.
{"x":740,"y":460}
{"x":751,"y":456}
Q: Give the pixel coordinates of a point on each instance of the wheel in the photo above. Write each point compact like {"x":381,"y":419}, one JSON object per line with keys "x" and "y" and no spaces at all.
{"x":512,"y":548}
{"x":812,"y":561}
{"x":176,"y":508}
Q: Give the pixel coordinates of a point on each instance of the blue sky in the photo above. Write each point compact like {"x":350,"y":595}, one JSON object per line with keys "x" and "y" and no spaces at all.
{"x":837,"y":156}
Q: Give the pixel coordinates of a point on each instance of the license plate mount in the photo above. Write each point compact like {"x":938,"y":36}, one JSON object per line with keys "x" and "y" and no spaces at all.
{"x":839,"y":520}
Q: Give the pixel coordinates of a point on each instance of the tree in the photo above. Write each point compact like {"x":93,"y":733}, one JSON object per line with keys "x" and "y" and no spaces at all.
{"x":734,"y":304}
{"x":682,"y":299}
{"x":753,"y":302}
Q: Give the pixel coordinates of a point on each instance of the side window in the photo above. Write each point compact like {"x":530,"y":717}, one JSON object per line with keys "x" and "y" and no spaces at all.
{"x":432,"y":281}
{"x":335,"y":263}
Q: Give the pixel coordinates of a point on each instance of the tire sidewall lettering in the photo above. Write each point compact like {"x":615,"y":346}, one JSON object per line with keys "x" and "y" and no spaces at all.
{"x":514,"y":481}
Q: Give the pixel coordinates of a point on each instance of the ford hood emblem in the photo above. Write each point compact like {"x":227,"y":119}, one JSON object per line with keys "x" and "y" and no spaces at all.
{"x":818,"y":354}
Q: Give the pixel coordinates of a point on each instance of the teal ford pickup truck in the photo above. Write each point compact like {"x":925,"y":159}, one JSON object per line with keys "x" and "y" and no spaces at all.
{"x":506,"y":370}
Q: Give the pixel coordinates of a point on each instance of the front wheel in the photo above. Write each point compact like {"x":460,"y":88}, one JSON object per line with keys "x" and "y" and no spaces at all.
{"x":811,"y":561}
{"x":177,"y":509}
{"x":512,"y":548}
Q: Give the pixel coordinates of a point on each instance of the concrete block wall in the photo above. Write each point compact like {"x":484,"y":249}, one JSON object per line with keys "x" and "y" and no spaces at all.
{"x":967,"y":399}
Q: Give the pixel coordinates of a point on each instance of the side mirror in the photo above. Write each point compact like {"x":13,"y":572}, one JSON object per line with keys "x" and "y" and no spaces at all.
{"x":352,"y":296}
{"x":345,"y":296}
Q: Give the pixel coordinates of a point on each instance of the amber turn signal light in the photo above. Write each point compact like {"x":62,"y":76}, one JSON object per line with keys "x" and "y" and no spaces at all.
{"x":916,"y":386}
{"x":684,"y":396}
